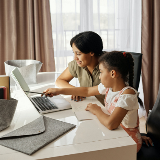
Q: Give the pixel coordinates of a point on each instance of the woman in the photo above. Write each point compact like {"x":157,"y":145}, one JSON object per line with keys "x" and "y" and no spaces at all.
{"x":87,"y":48}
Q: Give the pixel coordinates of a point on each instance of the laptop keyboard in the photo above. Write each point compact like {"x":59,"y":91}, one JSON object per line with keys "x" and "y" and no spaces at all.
{"x":43,"y":103}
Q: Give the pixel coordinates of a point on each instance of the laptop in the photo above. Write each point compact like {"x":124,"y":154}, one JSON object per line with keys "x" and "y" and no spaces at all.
{"x":42,"y":104}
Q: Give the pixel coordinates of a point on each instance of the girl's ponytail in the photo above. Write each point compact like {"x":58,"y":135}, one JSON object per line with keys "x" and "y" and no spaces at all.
{"x":131,"y":74}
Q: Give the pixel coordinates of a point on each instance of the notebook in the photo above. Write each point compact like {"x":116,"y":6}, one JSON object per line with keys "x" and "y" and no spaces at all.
{"x":59,"y":102}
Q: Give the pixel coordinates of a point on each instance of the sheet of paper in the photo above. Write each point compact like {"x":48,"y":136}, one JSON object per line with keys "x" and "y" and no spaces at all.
{"x":84,"y":115}
{"x":79,"y":107}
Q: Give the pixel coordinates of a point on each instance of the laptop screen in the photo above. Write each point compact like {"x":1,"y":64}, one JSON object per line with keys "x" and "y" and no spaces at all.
{"x":20,"y":81}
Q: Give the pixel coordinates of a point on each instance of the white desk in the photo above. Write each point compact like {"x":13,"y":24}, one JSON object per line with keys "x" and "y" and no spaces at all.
{"x":90,"y":140}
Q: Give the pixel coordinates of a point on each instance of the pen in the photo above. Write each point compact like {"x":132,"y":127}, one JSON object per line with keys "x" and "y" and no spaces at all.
{"x":34,"y":92}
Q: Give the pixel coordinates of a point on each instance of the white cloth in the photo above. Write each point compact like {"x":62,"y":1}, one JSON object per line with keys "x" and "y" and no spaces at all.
{"x":126,"y":101}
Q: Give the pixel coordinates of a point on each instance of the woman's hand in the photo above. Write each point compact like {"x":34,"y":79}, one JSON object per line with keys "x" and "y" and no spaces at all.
{"x":51,"y":92}
{"x":93,"y":108}
{"x":147,"y":140}
{"x":77,"y":98}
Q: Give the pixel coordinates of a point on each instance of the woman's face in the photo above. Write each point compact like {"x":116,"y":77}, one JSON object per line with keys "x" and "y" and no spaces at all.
{"x":105,"y":76}
{"x":82,"y":59}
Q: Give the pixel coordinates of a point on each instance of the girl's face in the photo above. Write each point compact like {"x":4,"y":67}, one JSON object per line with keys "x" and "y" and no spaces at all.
{"x":106,"y":77}
{"x":82,"y":59}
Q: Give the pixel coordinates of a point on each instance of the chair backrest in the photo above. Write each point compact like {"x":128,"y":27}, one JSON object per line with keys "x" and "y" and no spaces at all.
{"x":137,"y":68}
{"x":153,"y":120}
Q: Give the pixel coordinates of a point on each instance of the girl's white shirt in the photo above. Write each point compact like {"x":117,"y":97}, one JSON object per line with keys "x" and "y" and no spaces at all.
{"x":125,"y":101}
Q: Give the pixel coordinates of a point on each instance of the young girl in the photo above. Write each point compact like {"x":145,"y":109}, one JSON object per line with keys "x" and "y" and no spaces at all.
{"x":121,"y":100}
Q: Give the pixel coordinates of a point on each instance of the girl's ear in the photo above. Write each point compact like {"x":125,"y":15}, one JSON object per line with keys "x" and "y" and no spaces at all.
{"x":113,"y":73}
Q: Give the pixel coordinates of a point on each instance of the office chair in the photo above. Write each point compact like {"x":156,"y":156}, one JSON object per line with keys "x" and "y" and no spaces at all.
{"x":153,"y":131}
{"x":137,"y":68}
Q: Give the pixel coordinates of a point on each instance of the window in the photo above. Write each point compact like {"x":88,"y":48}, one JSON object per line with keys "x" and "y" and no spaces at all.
{"x":117,"y":22}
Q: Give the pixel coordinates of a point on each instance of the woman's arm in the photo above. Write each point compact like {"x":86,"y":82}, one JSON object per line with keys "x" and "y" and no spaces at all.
{"x":78,"y":91}
{"x":63,"y":82}
{"x":64,"y":79}
{"x":110,"y":121}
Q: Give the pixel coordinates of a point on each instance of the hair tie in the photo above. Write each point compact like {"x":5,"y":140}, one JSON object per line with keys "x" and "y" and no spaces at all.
{"x":124,"y":53}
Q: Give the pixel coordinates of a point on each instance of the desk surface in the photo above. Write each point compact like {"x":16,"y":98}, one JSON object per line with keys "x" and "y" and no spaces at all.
{"x":89,"y":140}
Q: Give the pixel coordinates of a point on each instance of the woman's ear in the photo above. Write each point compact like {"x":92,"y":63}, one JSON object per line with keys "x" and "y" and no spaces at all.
{"x":113,"y":73}
{"x":91,"y":53}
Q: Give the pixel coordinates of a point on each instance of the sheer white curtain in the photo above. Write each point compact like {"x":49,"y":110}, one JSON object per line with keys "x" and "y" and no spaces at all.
{"x":118,"y":22}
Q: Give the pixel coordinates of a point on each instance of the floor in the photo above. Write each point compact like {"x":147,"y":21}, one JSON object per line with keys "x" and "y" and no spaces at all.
{"x":142,"y":125}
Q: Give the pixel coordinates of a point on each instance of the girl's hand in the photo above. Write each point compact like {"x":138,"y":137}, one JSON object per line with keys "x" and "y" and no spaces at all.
{"x":147,"y":141}
{"x":77,"y":98}
{"x":93,"y":108}
{"x":51,"y":92}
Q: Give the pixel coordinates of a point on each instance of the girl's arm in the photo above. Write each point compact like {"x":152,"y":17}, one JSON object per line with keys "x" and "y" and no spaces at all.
{"x":110,"y":121}
{"x":78,"y":91}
